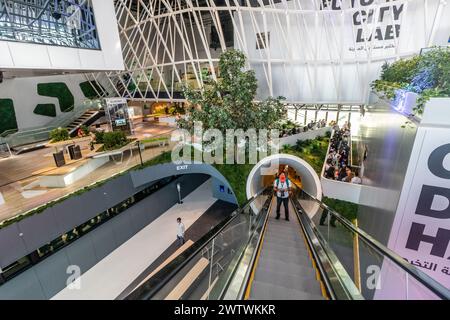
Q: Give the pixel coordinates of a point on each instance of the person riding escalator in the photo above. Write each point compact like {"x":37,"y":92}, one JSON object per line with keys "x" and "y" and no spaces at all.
{"x":282,"y":188}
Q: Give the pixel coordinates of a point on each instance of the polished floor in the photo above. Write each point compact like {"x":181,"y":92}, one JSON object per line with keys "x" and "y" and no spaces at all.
{"x":213,"y":216}
{"x":111,"y":276}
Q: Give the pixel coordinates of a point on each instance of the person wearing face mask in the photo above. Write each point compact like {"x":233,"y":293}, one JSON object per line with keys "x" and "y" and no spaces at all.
{"x":281,"y":187}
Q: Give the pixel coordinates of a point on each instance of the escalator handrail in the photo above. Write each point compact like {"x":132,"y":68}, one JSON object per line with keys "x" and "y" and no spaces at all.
{"x":255,"y":255}
{"x":163,"y":276}
{"x":434,"y":286}
{"x":326,"y":259}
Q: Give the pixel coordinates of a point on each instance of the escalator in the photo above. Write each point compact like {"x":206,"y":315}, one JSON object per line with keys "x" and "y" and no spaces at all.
{"x":284,"y":269}
{"x":253,"y":256}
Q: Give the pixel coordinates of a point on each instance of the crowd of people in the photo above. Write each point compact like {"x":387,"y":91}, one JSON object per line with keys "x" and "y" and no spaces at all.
{"x":337,"y":164}
{"x":313,"y":125}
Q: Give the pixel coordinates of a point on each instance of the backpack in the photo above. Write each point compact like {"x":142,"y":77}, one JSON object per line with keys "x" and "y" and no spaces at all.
{"x":288,"y":182}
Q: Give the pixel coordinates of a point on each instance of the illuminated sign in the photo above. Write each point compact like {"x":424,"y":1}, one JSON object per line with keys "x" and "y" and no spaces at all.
{"x":121,"y":122}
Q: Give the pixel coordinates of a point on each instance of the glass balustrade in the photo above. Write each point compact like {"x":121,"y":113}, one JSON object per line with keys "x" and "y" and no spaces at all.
{"x":207,"y":270}
{"x":375,"y":271}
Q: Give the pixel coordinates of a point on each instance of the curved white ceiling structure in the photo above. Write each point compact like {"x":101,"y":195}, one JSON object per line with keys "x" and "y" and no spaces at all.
{"x":309,"y":51}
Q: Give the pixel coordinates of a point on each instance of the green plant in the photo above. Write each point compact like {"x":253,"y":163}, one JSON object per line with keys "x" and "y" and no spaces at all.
{"x":401,"y":71}
{"x":348,"y":210}
{"x":229,"y":103}
{"x":315,"y":147}
{"x":386,"y":88}
{"x":154,"y":139}
{"x":312,"y":151}
{"x":426,"y":95}
{"x":427,"y":74}
{"x":59,"y":134}
{"x":84,"y":130}
{"x":99,"y":136}
{"x":114,"y":140}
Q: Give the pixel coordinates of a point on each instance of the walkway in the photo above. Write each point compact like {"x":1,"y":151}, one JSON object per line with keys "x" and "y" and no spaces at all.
{"x":19,"y":175}
{"x":111,"y":276}
{"x":212,"y":217}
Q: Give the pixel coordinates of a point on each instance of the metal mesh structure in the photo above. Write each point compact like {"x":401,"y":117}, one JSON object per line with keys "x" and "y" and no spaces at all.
{"x":68,"y":23}
{"x":309,"y":51}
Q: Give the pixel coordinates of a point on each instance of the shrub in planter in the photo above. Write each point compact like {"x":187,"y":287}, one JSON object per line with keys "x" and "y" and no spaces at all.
{"x":315,"y":147}
{"x":114,"y":140}
{"x":59,"y":134}
{"x":99,"y":137}
{"x":85,"y":130}
{"x":347,"y":209}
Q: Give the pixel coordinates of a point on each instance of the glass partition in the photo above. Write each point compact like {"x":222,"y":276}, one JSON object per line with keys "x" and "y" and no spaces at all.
{"x":206,"y":273}
{"x":376,"y":271}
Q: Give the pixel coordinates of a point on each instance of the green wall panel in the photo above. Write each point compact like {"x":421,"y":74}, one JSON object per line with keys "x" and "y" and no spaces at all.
{"x":88,"y":88}
{"x":7,"y":115}
{"x":48,"y":109}
{"x":57,"y":90}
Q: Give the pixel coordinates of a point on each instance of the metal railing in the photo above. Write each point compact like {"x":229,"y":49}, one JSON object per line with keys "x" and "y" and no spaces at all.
{"x":34,"y":135}
{"x":332,"y":248}
{"x":340,"y":235}
{"x":224,"y":244}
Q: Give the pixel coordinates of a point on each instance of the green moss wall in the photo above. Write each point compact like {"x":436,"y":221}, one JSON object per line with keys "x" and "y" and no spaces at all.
{"x":90,"y":89}
{"x":46,"y":109}
{"x":7,"y":115}
{"x":60,"y":91}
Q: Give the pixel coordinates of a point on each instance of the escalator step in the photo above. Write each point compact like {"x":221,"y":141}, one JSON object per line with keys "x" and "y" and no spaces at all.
{"x":289,"y":236}
{"x":302,"y":283}
{"x":286,"y":243}
{"x":297,"y":268}
{"x":302,"y":260}
{"x":267,"y":291}
{"x":285,"y":249}
{"x":285,"y":267}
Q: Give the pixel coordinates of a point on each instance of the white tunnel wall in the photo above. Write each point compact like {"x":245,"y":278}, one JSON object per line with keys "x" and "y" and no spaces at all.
{"x":269,"y":166}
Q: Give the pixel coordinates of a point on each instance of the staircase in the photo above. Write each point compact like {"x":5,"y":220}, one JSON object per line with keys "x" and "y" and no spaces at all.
{"x":86,"y":118}
{"x":36,"y":135}
{"x":284,"y":270}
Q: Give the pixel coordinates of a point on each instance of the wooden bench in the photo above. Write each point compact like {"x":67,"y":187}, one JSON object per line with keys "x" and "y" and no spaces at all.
{"x":179,"y":251}
{"x":188,"y":279}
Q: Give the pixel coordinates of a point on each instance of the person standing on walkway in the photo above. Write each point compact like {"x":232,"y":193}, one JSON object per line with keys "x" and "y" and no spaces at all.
{"x":282,"y":188}
{"x":180,"y":233}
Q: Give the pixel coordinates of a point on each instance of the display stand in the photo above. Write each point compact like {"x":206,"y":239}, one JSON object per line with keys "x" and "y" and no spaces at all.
{"x":118,"y":115}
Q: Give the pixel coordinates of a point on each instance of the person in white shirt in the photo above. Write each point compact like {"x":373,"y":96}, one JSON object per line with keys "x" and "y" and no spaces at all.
{"x":282,"y":187}
{"x":180,"y":232}
{"x":356,"y":179}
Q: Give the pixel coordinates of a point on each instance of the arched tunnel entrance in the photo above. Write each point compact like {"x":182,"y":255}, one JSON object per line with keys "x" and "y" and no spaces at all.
{"x":299,"y":171}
